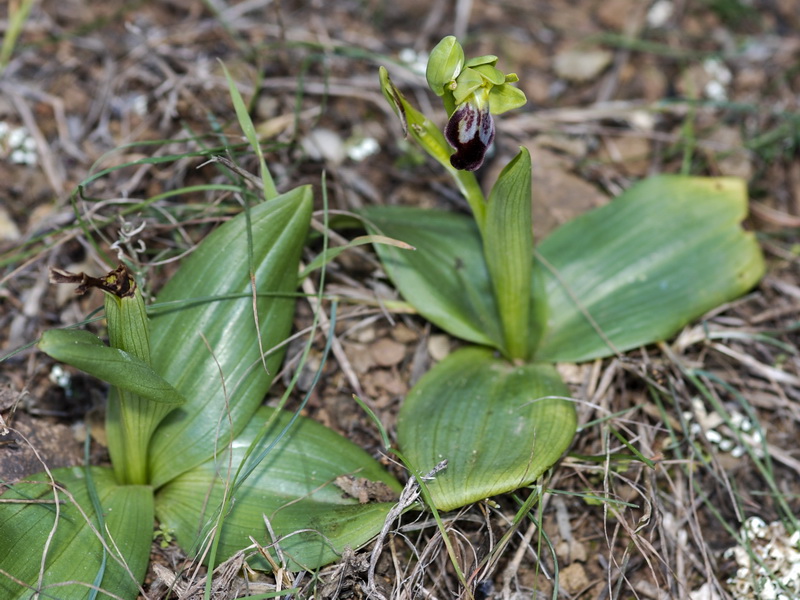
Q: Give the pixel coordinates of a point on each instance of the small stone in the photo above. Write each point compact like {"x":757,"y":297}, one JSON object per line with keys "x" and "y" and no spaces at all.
{"x":360,"y":357}
{"x":573,"y":578}
{"x":616,"y":14}
{"x":660,"y":13}
{"x":733,"y":159}
{"x":404,"y":334}
{"x":324,"y":144}
{"x":387,"y":352}
{"x":581,"y":65}
{"x":438,"y":347}
{"x":630,"y":152}
{"x":9,"y":232}
{"x":365,"y":335}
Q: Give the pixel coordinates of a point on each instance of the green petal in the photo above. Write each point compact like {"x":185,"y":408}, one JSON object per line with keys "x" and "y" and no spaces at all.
{"x":491,"y":74}
{"x":487,"y":59}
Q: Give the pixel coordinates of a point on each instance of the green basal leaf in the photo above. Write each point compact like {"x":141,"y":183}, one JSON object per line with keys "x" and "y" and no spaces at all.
{"x":332,"y":253}
{"x":445,"y":278}
{"x":508,"y":249}
{"x":635,"y":271}
{"x":75,"y":553}
{"x":225,"y":381}
{"x":88,"y":353}
{"x":293,"y":487}
{"x":499,"y":426}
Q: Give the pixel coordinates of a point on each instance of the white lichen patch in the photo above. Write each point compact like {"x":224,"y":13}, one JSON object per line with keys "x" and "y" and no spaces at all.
{"x":768,"y":564}
{"x":729,"y":438}
{"x":720,"y":77}
{"x":17,"y":145}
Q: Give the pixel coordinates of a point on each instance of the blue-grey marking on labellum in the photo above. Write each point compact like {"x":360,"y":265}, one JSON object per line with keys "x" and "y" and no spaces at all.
{"x":470,"y":131}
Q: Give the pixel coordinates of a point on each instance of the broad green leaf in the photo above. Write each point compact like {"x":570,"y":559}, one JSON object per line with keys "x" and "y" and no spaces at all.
{"x":664,"y":253}
{"x":498,"y":425}
{"x":225,"y":379}
{"x":88,"y":353}
{"x":293,"y":487}
{"x":75,"y":553}
{"x":445,"y":278}
{"x":508,"y":248}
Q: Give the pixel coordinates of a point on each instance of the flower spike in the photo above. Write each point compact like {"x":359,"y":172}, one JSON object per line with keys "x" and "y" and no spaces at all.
{"x":472,"y":91}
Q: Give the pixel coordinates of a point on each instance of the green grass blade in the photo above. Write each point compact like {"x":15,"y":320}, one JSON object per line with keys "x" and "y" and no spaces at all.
{"x":246,"y":123}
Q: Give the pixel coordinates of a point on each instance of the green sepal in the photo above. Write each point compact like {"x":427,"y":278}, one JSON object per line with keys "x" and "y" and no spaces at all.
{"x":75,"y":553}
{"x":444,"y":64}
{"x":486,"y":59}
{"x":505,"y":97}
{"x":499,"y":426}
{"x":293,"y":487}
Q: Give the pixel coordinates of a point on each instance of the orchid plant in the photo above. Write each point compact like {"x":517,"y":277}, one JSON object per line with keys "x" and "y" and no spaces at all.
{"x":627,"y":274}
{"x":191,"y":444}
